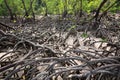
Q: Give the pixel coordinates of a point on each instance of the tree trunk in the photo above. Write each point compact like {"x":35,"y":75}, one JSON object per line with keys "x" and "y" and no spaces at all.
{"x":65,"y":12}
{"x":80,"y":12}
{"x":31,"y":8}
{"x":26,"y":12}
{"x":99,"y":8}
{"x":46,"y":10}
{"x":10,"y":11}
{"x":105,"y":12}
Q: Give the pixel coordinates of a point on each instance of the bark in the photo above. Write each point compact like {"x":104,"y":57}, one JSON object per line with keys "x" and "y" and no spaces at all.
{"x":65,"y":12}
{"x":105,"y":12}
{"x":99,"y":8}
{"x":26,"y":12}
{"x":46,"y":10}
{"x":10,"y":11}
{"x":31,"y":8}
{"x":80,"y":12}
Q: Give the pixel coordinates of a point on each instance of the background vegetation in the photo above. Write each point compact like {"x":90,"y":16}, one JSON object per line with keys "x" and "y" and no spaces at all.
{"x":19,"y":7}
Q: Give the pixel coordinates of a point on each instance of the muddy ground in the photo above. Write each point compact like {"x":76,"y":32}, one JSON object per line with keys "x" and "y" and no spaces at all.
{"x":55,"y":48}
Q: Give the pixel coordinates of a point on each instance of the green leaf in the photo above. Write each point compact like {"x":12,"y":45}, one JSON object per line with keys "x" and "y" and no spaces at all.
{"x":84,"y":35}
{"x":72,"y":27}
{"x":103,"y":39}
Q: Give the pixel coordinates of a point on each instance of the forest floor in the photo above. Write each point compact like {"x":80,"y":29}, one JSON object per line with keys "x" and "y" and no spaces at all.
{"x":60,"y":49}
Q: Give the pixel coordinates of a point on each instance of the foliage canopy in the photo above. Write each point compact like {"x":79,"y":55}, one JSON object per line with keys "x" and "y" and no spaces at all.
{"x":55,"y":6}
